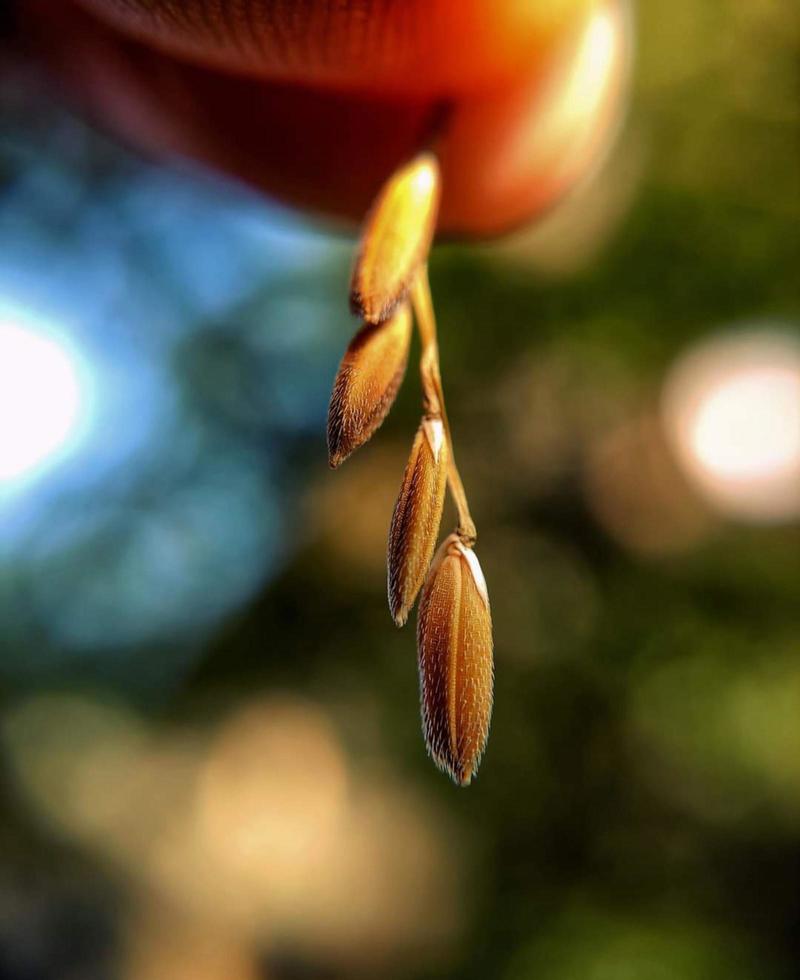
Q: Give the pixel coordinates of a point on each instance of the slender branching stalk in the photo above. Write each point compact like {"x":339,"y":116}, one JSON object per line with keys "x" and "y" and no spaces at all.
{"x":433,"y":397}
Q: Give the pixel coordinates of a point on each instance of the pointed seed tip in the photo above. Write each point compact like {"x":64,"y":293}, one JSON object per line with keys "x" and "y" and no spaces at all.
{"x":372,"y":313}
{"x":398,"y":612}
{"x":336,"y":455}
{"x":357,"y":303}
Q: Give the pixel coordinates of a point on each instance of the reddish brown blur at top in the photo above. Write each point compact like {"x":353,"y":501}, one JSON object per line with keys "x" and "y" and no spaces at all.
{"x":518,"y":97}
{"x":420,"y":48}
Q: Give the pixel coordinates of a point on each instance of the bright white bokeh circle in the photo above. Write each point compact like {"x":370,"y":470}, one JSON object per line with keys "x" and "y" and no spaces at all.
{"x":41,"y":399}
{"x":731,"y":409}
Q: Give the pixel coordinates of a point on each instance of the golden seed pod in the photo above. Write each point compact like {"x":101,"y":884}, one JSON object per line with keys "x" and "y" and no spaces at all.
{"x":366,"y":384}
{"x":454,"y":644}
{"x":416,"y":518}
{"x":396,"y":239}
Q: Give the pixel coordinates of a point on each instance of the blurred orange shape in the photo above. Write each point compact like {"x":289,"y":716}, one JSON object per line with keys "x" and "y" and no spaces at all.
{"x":519,"y":99}
{"x":427,"y":47}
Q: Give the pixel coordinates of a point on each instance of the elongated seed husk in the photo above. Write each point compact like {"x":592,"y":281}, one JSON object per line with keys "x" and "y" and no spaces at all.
{"x":416,"y":518}
{"x":396,"y":238}
{"x":454,"y":644}
{"x":366,"y":384}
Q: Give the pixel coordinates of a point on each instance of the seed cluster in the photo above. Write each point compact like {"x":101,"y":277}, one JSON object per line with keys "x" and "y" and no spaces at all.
{"x":454,"y":630}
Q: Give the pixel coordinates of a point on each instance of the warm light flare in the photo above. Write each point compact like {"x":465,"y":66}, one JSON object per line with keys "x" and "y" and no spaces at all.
{"x":258,"y":826}
{"x":732,"y":411}
{"x":747,"y":427}
{"x":598,"y":51}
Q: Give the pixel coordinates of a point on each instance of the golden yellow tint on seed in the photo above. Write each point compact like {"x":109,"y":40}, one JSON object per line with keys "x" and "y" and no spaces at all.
{"x":396,"y":238}
{"x":416,"y":518}
{"x":369,"y":377}
{"x":454,"y":645}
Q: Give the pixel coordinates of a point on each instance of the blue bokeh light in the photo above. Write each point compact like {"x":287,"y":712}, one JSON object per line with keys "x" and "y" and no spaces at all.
{"x":45,"y":395}
{"x":195,"y":329}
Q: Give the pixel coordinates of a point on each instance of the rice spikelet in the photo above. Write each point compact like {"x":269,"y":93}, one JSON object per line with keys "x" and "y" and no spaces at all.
{"x":396,"y":239}
{"x":454,"y":643}
{"x":366,"y":384}
{"x":416,"y":518}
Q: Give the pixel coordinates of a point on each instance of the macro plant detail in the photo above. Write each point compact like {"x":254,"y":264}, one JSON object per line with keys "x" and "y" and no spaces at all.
{"x":416,"y":517}
{"x":369,"y":377}
{"x":454,"y":638}
{"x":315,"y":104}
{"x":208,"y":714}
{"x":454,"y":628}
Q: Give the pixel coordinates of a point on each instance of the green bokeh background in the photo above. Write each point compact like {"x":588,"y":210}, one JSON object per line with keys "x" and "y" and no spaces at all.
{"x":637,"y":814}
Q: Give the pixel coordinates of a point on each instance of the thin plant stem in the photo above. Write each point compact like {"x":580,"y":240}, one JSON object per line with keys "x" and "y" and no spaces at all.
{"x":433,"y":397}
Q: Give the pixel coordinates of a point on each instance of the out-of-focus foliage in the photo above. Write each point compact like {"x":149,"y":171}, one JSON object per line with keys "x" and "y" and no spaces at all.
{"x":210,"y":727}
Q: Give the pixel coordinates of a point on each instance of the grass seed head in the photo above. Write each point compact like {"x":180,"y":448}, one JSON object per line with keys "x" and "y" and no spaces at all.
{"x":396,"y":238}
{"x":367,"y":382}
{"x":454,"y":643}
{"x":416,"y":518}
